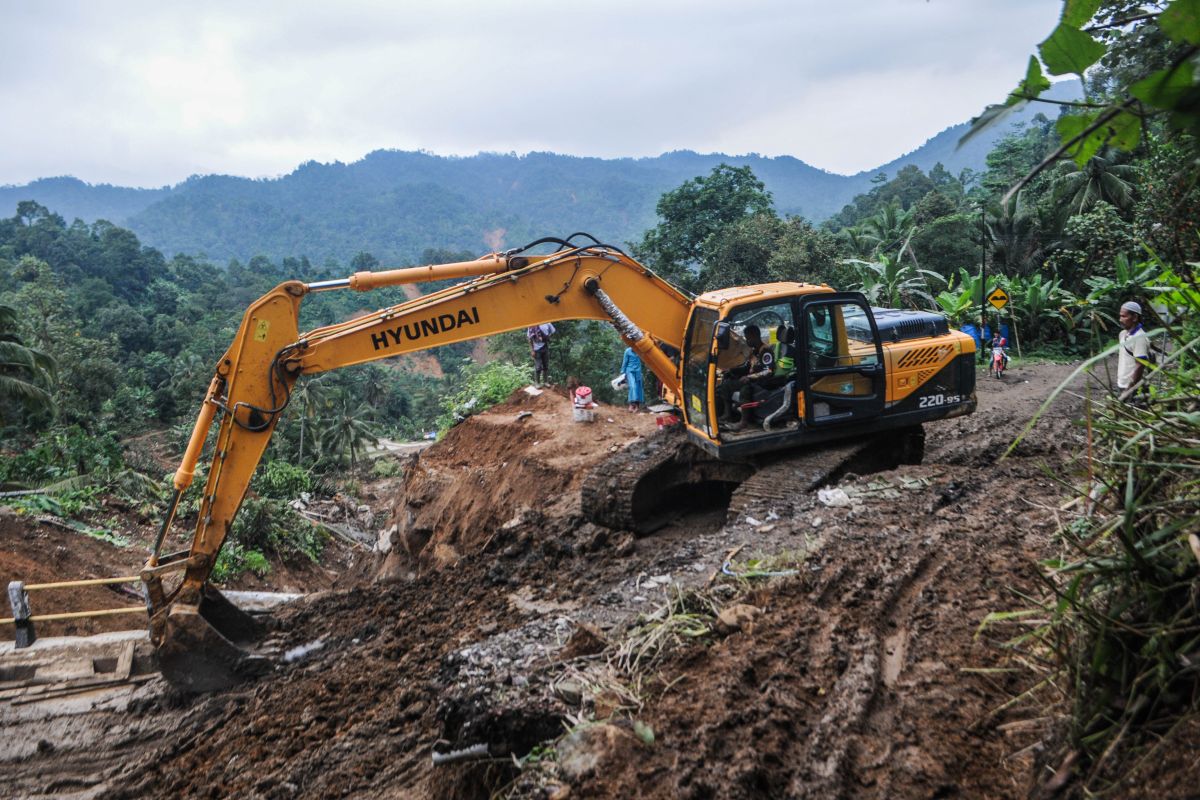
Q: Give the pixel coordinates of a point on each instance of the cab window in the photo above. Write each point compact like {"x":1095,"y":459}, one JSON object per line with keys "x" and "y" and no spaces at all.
{"x":839,"y":335}
{"x":776,"y":330}
{"x":697,"y":352}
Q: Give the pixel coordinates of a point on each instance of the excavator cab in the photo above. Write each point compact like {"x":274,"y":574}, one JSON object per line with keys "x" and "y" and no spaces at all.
{"x":778,"y":366}
{"x":772,"y":366}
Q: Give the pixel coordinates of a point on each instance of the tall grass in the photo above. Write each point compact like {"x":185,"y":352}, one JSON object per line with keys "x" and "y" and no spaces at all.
{"x":1120,"y":647}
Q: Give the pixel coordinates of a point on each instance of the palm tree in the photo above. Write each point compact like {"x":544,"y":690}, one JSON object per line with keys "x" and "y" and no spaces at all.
{"x":890,"y":225}
{"x":1015,"y":238}
{"x":860,"y":242}
{"x":374,"y":385}
{"x":1080,"y":188}
{"x":309,"y":395}
{"x":347,"y":432}
{"x":26,"y":374}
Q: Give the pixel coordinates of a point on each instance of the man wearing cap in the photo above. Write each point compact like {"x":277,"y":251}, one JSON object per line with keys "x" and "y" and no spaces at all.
{"x":1134,"y":349}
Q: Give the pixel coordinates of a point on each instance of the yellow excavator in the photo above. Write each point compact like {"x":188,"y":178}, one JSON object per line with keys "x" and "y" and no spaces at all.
{"x":842,"y":370}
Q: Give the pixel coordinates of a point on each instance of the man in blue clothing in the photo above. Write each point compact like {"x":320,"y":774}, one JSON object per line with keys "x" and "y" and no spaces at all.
{"x":631,"y":366}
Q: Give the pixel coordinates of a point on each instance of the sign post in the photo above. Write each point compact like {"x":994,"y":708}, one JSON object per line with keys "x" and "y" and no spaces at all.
{"x":983,"y":238}
{"x":998,"y":299}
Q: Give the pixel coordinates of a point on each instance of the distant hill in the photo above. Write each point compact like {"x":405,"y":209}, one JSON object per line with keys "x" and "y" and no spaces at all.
{"x":944,"y":148}
{"x":396,"y":204}
{"x":72,"y":198}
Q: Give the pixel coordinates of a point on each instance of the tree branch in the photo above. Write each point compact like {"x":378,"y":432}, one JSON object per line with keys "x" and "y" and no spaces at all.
{"x":1120,"y":23}
{"x":1100,"y":121}
{"x":1073,"y":104}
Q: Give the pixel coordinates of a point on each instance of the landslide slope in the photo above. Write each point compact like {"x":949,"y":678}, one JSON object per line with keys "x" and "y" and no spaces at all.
{"x":501,"y":613}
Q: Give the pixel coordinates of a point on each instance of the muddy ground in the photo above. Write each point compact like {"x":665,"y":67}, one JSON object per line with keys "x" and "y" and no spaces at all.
{"x":500,"y":621}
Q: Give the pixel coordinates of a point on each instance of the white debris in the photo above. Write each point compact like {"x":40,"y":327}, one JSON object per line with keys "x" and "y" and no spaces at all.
{"x":384,"y":543}
{"x":303,"y":651}
{"x":835,"y":497}
{"x":751,"y":521}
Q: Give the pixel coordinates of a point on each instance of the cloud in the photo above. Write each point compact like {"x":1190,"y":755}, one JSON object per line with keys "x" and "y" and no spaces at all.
{"x":149,"y":93}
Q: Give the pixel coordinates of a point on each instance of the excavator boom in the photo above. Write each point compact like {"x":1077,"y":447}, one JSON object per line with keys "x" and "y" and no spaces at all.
{"x":254,"y":380}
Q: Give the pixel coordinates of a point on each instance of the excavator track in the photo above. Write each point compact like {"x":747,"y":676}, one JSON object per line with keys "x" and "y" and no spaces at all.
{"x":639,"y":488}
{"x":631,"y":489}
{"x":781,"y":482}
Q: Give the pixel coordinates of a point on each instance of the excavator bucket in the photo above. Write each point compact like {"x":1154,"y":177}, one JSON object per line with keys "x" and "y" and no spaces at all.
{"x":207,"y":648}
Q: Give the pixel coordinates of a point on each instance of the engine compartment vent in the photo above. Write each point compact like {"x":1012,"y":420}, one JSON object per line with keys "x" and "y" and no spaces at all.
{"x":896,"y":325}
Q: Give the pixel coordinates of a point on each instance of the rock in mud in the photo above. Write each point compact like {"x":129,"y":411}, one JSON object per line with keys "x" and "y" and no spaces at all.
{"x":586,"y":640}
{"x":584,"y":750}
{"x":737,"y":617}
{"x":570,"y":692}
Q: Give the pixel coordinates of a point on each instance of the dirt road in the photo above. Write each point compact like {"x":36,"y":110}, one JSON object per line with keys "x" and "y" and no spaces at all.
{"x":507,"y":621}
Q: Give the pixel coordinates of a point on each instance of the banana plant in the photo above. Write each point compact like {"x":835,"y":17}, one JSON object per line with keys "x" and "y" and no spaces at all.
{"x":1041,"y":303}
{"x":1097,"y":310}
{"x":958,"y":301}
{"x":1129,"y":279}
{"x":893,"y":283}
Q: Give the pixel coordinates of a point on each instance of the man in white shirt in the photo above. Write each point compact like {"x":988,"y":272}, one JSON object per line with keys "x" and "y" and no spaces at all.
{"x":1134,"y":345}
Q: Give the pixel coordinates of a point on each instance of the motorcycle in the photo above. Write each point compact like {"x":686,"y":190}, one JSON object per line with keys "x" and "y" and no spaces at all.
{"x":999,"y":362}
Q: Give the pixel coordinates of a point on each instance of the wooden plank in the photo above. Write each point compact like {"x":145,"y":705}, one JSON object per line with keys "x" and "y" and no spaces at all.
{"x":336,"y":531}
{"x":124,"y":662}
{"x":79,"y":688}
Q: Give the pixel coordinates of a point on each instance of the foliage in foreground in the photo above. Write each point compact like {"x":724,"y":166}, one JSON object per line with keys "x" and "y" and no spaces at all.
{"x":1120,"y":649}
{"x":1142,"y":62}
{"x":1121,"y":643}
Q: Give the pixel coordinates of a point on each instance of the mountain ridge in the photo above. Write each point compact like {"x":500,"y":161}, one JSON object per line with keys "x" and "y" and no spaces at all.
{"x":395,"y":204}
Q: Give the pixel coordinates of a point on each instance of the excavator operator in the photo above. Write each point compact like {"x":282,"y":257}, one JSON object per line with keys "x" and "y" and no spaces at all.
{"x":759,"y":366}
{"x":785,"y":361}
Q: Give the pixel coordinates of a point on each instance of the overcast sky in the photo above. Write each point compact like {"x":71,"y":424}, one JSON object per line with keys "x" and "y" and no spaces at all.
{"x":148,"y":93}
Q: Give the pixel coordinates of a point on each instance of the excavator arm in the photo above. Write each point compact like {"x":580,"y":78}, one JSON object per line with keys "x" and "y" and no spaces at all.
{"x":198,"y":632}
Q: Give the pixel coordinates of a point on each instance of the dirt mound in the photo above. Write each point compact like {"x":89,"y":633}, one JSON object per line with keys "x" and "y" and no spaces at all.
{"x":516,"y":461}
{"x":36,"y":552}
